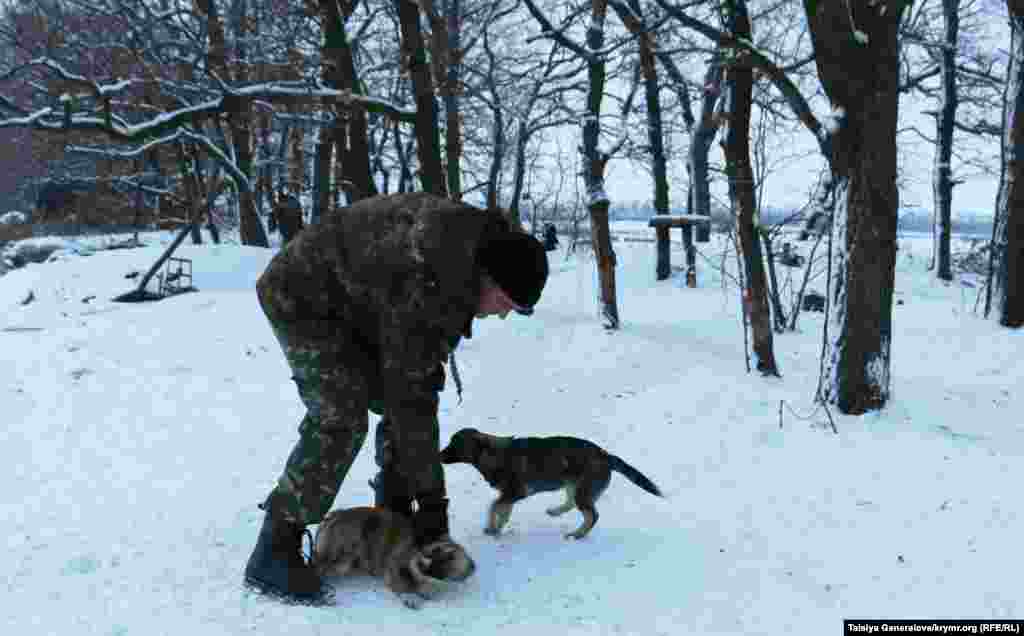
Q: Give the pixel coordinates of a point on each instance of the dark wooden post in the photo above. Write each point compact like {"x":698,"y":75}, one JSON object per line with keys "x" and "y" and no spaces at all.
{"x":683,"y":221}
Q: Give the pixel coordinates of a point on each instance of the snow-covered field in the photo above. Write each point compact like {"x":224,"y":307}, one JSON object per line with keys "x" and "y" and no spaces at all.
{"x":138,"y":439}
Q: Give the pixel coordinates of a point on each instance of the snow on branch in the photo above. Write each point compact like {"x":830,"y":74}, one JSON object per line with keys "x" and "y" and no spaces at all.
{"x":48,"y":118}
{"x":548,"y":30}
{"x":96,"y":89}
{"x":760,"y":60}
{"x":129,"y":153}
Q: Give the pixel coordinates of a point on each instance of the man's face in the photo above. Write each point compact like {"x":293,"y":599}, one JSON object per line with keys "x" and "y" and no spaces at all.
{"x":494,"y":301}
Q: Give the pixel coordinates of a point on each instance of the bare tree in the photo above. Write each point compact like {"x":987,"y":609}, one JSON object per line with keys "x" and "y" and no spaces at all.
{"x":414,"y":58}
{"x":347,"y":137}
{"x":632,"y":16}
{"x":1008,"y":248}
{"x":856,"y":48}
{"x":739,"y":83}
{"x":539,"y":107}
{"x":943,"y":42}
{"x":946,"y":117}
{"x":219,"y":54}
{"x":598,"y":203}
{"x":865,"y":99}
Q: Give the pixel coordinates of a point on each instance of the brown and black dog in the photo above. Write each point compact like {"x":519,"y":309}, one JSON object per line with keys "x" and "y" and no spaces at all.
{"x":521,"y":466}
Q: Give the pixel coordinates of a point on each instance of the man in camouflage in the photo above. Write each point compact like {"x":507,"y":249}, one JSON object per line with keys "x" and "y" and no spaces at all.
{"x":367,"y":305}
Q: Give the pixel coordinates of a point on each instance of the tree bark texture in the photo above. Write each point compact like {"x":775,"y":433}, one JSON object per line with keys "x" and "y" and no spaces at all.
{"x":776,"y":300}
{"x":348,"y":135}
{"x":497,"y":134}
{"x":450,"y":93}
{"x":700,"y":143}
{"x":740,"y":87}
{"x":322,"y":161}
{"x":428,"y":140}
{"x":597,"y":198}
{"x":857,"y":50}
{"x":633,"y":19}
{"x":942,"y":173}
{"x":1008,"y":250}
{"x":519,"y":173}
{"x":239,"y":111}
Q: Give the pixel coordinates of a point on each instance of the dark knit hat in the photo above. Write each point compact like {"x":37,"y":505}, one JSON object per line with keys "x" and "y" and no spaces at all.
{"x":518,"y":263}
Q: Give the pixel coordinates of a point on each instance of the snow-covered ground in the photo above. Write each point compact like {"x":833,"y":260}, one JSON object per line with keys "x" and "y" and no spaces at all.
{"x":138,"y":439}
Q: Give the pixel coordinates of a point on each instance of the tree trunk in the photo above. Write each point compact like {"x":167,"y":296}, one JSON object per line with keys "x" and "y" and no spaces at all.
{"x":942,"y":174}
{"x":740,"y":86}
{"x":403,"y":152}
{"x":1008,"y":250}
{"x":263,"y":180}
{"x":450,"y":91}
{"x":519,"y":174}
{"x":322,"y":161}
{"x":428,"y":143}
{"x":349,"y":137}
{"x":190,"y":182}
{"x":633,"y":19}
{"x":276,"y":178}
{"x":689,"y":248}
{"x":497,"y":159}
{"x":239,"y":114}
{"x":498,"y":131}
{"x":251,"y":229}
{"x":776,"y":300}
{"x":597,"y":199}
{"x":857,"y":54}
{"x":297,"y":161}
{"x":700,"y":143}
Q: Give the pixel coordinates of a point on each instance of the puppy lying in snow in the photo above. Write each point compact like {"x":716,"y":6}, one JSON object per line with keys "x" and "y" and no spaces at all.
{"x":378,"y":542}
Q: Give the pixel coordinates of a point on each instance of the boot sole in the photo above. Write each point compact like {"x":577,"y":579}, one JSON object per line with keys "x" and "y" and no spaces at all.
{"x":325,"y":597}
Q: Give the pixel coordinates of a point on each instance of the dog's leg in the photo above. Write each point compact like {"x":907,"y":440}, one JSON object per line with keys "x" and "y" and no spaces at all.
{"x":341,"y":567}
{"x":426,"y":586}
{"x":500,"y":512}
{"x":570,"y":502}
{"x":589,"y":489}
{"x":403,"y":585}
{"x":590,"y":517}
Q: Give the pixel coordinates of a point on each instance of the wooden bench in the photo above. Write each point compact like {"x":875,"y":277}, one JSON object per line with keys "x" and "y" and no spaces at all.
{"x":661,"y":223}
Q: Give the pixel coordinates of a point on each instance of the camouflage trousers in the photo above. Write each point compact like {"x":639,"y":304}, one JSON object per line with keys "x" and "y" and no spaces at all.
{"x":336,"y":397}
{"x":336,"y":394}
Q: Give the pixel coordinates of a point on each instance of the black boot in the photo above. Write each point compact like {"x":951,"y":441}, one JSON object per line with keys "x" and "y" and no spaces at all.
{"x":278,"y":568}
{"x":448,"y":560}
{"x":387,"y":493}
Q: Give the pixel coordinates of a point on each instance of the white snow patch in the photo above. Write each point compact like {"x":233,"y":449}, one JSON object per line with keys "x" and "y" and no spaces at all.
{"x":138,"y":440}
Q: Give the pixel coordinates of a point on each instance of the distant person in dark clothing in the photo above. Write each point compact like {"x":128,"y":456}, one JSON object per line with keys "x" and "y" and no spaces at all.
{"x":288,"y":214}
{"x":550,"y":237}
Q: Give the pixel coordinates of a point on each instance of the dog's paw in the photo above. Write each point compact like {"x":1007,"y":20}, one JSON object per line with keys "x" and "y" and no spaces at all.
{"x":448,"y":562}
{"x":410,"y":600}
{"x":492,"y":531}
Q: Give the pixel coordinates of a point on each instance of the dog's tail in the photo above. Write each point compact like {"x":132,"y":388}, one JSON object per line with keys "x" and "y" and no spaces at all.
{"x":620,"y":466}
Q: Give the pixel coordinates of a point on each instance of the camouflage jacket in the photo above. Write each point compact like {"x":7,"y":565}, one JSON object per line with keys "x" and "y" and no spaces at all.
{"x":396,"y":277}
